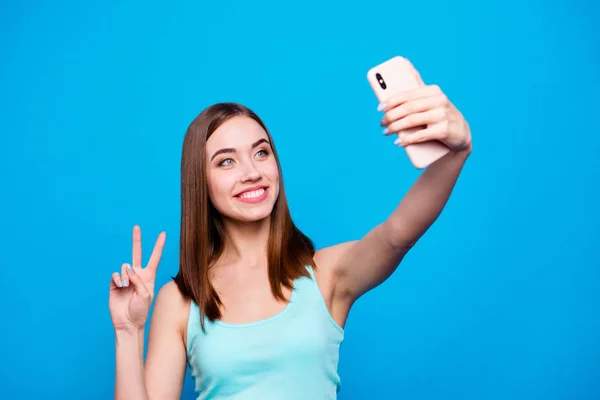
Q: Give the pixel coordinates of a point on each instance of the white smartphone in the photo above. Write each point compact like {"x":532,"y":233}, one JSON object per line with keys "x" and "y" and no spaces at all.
{"x":386,"y":80}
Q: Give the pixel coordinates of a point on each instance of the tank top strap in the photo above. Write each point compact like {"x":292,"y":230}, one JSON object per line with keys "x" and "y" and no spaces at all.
{"x":276,"y":358}
{"x":311,"y":272}
{"x":306,"y":287}
{"x":308,"y":294}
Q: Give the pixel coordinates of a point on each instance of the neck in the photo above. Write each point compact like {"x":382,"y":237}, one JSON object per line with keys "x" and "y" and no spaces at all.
{"x":246,"y":242}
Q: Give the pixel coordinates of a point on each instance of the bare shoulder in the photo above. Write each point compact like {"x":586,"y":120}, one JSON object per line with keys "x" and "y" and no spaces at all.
{"x":170,"y":306}
{"x":169,"y":293}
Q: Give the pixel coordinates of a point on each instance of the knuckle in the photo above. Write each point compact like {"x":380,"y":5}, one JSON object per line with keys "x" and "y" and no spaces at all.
{"x":442,"y":114}
{"x":441,"y":100}
{"x":424,"y":104}
{"x":445,"y":127}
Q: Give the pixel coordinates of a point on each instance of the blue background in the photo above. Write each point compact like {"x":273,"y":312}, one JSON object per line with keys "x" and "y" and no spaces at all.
{"x":499,"y":300}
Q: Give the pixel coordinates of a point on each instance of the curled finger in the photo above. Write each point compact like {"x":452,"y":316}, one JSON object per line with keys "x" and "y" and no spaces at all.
{"x":432,"y":132}
{"x":416,"y":120}
{"x":412,"y":107}
{"x":124,"y":275}
{"x":116,"y":280}
{"x":409,"y":95}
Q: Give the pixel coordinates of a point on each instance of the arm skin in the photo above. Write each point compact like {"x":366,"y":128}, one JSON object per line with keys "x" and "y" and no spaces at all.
{"x":163,"y":374}
{"x":366,"y":263}
{"x":353,"y":268}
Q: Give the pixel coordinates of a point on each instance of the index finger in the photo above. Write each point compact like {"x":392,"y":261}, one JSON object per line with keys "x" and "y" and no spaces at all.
{"x":408,"y":95}
{"x":136,"y":253}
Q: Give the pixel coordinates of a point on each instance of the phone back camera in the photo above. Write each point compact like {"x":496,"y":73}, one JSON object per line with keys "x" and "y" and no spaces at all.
{"x":381,"y":81}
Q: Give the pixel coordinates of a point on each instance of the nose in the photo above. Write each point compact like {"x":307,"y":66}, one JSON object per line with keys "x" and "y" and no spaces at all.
{"x":251,"y":173}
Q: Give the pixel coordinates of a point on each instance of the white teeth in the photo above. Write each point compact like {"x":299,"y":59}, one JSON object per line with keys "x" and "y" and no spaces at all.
{"x":252,"y":194}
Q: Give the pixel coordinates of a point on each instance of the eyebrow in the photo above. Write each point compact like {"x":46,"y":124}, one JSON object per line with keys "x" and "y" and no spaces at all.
{"x":232,"y":150}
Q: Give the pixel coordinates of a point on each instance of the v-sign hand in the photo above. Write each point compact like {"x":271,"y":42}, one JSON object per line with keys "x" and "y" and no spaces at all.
{"x":132,"y":291}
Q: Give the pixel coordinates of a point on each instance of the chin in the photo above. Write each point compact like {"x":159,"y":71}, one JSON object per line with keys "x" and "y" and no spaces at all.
{"x":252,"y":218}
{"x":251,"y":215}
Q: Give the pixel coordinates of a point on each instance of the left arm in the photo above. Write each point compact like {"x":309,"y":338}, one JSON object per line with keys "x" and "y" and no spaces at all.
{"x":361,"y":265}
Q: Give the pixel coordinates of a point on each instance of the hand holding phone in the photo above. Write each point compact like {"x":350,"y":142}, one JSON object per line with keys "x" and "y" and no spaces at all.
{"x":393,"y":82}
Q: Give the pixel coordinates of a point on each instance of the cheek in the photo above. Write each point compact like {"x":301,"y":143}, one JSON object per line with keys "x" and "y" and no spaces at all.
{"x":219,"y":187}
{"x":272,"y":172}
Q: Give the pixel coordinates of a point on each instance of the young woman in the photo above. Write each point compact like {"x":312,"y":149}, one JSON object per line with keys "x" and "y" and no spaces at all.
{"x":255,"y":311}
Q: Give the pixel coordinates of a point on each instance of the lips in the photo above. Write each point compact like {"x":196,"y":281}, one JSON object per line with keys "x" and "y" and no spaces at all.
{"x":254,"y":195}
{"x":252,"y":192}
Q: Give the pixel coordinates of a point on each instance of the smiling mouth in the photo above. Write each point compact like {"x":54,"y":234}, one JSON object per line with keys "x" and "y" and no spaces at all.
{"x":252,"y":194}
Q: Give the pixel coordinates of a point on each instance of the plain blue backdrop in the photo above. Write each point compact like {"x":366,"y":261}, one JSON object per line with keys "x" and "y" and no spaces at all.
{"x":499,"y":300}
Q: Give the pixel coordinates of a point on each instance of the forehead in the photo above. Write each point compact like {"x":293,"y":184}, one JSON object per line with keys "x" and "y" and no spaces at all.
{"x":237,"y":132}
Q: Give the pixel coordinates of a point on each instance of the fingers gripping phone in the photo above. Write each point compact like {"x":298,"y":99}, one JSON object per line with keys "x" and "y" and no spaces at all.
{"x":394,"y":76}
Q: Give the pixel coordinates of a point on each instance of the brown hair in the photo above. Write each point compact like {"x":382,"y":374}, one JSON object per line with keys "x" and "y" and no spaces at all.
{"x":202,"y":235}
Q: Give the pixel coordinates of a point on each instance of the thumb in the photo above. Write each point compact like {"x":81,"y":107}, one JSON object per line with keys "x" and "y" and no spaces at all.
{"x":136,"y":282}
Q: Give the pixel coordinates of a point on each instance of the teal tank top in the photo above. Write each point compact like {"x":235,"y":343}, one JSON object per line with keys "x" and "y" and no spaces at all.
{"x":292,"y":355}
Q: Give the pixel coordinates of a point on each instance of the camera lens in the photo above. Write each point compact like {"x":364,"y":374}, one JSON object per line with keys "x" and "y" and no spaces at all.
{"x":381,"y":81}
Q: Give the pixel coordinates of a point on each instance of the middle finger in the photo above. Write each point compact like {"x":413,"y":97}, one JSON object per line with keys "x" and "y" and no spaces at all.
{"x":411,"y":107}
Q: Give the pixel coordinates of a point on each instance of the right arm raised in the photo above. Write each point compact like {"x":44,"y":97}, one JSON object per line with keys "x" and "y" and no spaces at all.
{"x":164,"y":372}
{"x":131,"y":294}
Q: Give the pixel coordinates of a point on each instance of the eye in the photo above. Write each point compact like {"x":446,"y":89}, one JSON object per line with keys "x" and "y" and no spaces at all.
{"x":262,"y":153}
{"x":225,"y":163}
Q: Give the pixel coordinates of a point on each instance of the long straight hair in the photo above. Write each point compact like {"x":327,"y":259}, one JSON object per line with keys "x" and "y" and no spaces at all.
{"x":202,"y":235}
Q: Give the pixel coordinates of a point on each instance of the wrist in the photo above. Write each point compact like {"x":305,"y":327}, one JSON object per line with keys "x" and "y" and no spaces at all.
{"x":128,"y":334}
{"x":469,"y":149}
{"x":465,"y":152}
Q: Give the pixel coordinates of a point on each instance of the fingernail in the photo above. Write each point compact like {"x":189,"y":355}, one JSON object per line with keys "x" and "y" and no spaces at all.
{"x":126,"y":282}
{"x":385,"y":131}
{"x":119,"y":284}
{"x":381,"y":107}
{"x":130,"y":269}
{"x":398,"y":141}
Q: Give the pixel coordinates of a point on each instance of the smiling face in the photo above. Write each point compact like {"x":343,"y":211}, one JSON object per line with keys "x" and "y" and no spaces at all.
{"x":242,"y":172}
